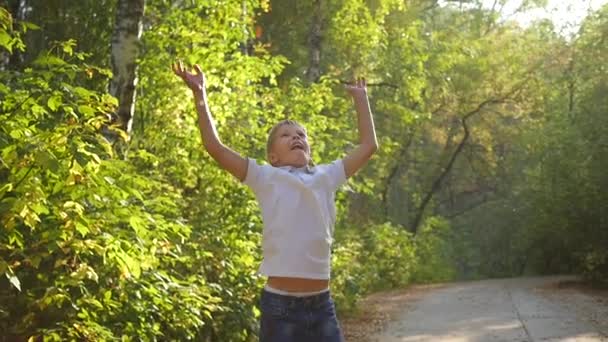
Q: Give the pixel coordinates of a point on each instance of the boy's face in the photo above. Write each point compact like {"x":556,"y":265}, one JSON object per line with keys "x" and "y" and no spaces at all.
{"x":290,"y":147}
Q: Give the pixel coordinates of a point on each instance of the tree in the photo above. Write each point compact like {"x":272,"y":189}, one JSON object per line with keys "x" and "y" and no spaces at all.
{"x":125,"y":51}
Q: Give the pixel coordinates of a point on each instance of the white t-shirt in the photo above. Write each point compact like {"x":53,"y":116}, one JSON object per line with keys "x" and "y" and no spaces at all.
{"x":299,"y":213}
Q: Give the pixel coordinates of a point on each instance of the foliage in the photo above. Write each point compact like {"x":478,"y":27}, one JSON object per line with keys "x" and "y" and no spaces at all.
{"x":387,"y":256}
{"x":434,"y":253}
{"x":89,"y":246}
{"x":158,"y":243}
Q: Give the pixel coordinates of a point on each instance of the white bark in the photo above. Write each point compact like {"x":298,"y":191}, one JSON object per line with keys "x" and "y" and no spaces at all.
{"x":313,"y":73}
{"x":125,"y":49}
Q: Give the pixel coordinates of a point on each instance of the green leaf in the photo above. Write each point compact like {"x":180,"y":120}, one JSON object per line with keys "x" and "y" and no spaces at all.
{"x":136,"y":193}
{"x":54,"y":102}
{"x":83,"y":92}
{"x":138,"y":225}
{"x":81,"y":228}
{"x":30,"y":26}
{"x":31,"y":219}
{"x":68,"y":46}
{"x":39,"y":208}
{"x":5,"y":188}
{"x":35,"y":261}
{"x":5,"y":40}
{"x":16,"y":134}
{"x":134,"y":267}
{"x":130,"y":265}
{"x":58,"y":187}
{"x":48,"y":161}
{"x":84,"y":314}
{"x":96,"y":303}
{"x":6,"y":20}
{"x":109,"y":99}
{"x":12,"y":278}
{"x":88,"y":155}
{"x":4,"y":89}
{"x":86,"y":110}
{"x":75,"y":206}
{"x":15,"y":238}
{"x":48,"y":60}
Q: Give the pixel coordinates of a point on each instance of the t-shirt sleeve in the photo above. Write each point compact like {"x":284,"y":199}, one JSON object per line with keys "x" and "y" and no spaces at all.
{"x":336,"y":174}
{"x":255,"y":175}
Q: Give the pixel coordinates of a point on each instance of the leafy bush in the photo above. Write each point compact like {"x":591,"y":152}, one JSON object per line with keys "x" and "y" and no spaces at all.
{"x":387,"y":256}
{"x":349,"y":278}
{"x":434,"y":252}
{"x":595,"y":267}
{"x":90,"y":247}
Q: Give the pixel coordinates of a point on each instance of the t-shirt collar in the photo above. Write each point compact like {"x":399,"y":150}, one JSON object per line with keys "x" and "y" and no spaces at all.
{"x":293,"y":169}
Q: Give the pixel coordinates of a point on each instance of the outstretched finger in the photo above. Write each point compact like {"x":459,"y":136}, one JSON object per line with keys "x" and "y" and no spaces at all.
{"x":174,"y":68}
{"x":198,"y":69}
{"x":182,"y":71}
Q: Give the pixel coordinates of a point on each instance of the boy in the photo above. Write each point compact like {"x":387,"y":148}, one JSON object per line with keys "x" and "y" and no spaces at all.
{"x":297,"y":204}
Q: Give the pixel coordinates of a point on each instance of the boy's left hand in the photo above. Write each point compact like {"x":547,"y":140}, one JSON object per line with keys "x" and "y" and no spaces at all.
{"x":368,"y":144}
{"x":357,"y":89}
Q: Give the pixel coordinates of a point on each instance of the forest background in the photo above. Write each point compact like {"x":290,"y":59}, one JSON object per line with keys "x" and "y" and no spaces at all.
{"x":115,"y":225}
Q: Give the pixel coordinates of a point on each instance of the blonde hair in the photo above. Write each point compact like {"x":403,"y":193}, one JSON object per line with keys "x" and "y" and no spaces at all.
{"x":272,"y":134}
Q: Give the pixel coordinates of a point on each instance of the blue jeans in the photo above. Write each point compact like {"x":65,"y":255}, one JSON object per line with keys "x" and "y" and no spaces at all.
{"x":299,"y":319}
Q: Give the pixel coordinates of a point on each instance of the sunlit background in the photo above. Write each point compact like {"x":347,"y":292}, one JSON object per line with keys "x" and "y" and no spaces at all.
{"x":565,"y":14}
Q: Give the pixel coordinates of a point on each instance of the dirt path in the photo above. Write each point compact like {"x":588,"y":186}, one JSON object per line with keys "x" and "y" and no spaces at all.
{"x":519,"y":309}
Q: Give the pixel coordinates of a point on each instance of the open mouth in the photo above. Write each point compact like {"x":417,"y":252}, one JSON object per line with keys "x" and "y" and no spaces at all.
{"x":297,"y":146}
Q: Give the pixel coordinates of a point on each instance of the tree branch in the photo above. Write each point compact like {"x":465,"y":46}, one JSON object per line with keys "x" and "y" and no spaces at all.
{"x":445,"y":170}
{"x":380,"y":84}
{"x":393,"y":173}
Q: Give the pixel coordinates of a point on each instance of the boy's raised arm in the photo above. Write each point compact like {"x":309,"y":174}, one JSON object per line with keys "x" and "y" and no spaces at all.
{"x":228,"y":159}
{"x":368,"y":144}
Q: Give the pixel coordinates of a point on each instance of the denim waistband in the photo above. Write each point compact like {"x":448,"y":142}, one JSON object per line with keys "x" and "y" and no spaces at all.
{"x":313,"y":301}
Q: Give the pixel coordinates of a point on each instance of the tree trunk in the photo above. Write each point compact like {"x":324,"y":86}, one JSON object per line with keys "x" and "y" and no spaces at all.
{"x":394,"y":173}
{"x":570,"y":74}
{"x":247,"y":44}
{"x":13,"y":60}
{"x":446,"y":169}
{"x":314,"y":40}
{"x":125,"y":49}
{"x":439,"y":180}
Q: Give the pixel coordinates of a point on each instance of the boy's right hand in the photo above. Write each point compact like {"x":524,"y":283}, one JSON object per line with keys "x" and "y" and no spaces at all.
{"x":196,"y":82}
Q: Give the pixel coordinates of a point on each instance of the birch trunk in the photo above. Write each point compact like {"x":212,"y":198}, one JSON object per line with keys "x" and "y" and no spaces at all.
{"x":125,"y":49}
{"x":314,"y":40}
{"x":13,"y":60}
